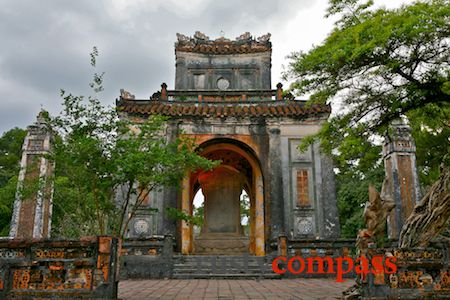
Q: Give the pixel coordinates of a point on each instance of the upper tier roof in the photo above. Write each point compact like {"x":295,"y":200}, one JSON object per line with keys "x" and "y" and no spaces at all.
{"x":260,"y":108}
{"x":201,"y":43}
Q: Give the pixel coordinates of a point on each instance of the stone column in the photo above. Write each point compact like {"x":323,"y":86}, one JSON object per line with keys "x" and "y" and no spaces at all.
{"x":170,"y":195}
{"x":401,"y":174}
{"x":259,"y":216}
{"x":276,"y":185}
{"x":266,"y":66}
{"x":33,"y":209}
{"x":186,"y":232}
{"x":330,"y":227}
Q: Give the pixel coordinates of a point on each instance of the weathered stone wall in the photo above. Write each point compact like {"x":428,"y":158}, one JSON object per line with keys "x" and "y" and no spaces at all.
{"x":242,"y":71}
{"x":423,"y":273}
{"x":274,"y":142}
{"x":147,"y":258}
{"x":85,"y":269}
{"x":310,"y":248}
{"x":313,"y":214}
{"x":330,"y":247}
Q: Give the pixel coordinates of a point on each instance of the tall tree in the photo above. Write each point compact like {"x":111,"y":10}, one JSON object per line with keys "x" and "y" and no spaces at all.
{"x":10,"y":153}
{"x":106,"y":166}
{"x":378,"y":65}
{"x":375,"y":66}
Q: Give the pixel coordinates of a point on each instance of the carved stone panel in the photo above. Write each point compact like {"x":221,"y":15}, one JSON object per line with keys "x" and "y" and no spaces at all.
{"x":199,"y":81}
{"x":143,"y":224}
{"x":296,"y":155}
{"x":304,"y":225}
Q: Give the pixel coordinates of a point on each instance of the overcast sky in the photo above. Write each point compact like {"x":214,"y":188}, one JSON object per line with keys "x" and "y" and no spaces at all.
{"x":45,"y":44}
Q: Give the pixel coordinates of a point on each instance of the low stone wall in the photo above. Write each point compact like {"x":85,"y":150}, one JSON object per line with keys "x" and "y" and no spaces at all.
{"x":307,"y":248}
{"x":322,"y":247}
{"x":84,"y":269}
{"x":147,"y":258}
{"x":422,"y":273}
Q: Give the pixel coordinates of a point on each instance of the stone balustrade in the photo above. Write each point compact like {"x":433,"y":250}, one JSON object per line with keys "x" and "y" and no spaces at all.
{"x":85,"y":268}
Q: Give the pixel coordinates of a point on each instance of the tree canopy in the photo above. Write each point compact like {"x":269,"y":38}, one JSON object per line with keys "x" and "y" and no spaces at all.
{"x":106,"y":165}
{"x":10,"y":154}
{"x":378,"y":65}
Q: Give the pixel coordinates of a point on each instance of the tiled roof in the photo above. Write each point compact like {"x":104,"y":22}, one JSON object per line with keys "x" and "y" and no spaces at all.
{"x":264,"y":108}
{"x":244,"y":43}
{"x":224,"y":48}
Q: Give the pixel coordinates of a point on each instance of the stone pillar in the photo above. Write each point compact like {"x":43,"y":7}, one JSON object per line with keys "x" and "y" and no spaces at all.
{"x":279,"y":95}
{"x":330,"y":227}
{"x":401,"y":174}
{"x":266,"y":66}
{"x":170,"y":195}
{"x":259,"y":216}
{"x":33,"y":205}
{"x":186,"y":232}
{"x":276,"y":185}
{"x":163,"y":91}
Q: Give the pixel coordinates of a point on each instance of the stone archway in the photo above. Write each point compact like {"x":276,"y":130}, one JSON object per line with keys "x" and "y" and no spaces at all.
{"x":221,"y":232}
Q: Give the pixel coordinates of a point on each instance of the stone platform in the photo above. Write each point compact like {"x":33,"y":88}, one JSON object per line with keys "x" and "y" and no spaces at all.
{"x":221,"y":244}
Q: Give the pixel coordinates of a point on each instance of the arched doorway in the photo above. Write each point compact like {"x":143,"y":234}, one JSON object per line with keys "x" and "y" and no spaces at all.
{"x":222,"y":231}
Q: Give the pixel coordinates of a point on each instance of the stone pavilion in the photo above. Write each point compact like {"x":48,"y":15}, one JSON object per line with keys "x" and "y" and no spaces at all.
{"x":223,"y":99}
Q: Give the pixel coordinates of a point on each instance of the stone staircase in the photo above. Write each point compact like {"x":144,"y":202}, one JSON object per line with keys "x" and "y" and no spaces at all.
{"x":222,"y":266}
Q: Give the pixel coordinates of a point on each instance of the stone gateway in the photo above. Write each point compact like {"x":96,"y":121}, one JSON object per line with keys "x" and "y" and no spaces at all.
{"x":223,"y":99}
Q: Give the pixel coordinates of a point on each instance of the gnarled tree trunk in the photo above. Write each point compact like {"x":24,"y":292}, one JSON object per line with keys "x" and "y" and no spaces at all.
{"x":430,"y":215}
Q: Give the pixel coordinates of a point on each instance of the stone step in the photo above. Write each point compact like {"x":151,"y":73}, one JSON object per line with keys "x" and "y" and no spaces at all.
{"x":234,"y":265}
{"x":223,"y":267}
{"x":226,"y":276}
{"x":209,"y":270}
{"x":226,"y":266}
{"x":220,"y":261}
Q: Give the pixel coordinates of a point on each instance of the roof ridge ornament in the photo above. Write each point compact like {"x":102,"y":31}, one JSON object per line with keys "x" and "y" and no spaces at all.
{"x":201,"y":43}
{"x":124,"y":94}
{"x":264,"y":38}
{"x":201,"y":36}
{"x":244,"y":37}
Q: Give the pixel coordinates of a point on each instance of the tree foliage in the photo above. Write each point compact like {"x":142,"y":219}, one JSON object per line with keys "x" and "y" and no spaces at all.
{"x":352,"y":195}
{"x":7,"y":196}
{"x":375,"y":66}
{"x":10,"y":153}
{"x":106,"y":165}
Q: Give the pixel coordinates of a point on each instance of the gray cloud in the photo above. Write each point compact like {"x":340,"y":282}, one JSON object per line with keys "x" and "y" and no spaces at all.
{"x":46,"y":44}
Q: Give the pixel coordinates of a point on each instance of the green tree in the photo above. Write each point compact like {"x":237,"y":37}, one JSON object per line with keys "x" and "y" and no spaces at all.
{"x":10,"y":153}
{"x":375,"y":66}
{"x":378,"y":65}
{"x":7,"y":196}
{"x":352,"y":195}
{"x":106,"y":165}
